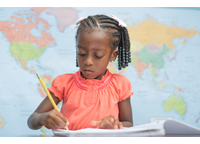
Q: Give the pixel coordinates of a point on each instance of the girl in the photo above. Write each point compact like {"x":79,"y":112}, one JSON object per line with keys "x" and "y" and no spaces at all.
{"x":92,"y":97}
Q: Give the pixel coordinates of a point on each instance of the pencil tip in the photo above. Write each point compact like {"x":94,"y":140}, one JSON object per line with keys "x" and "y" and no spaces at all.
{"x":37,"y":75}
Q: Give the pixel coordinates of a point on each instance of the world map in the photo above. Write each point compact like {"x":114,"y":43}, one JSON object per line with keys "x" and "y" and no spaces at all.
{"x":164,"y":72}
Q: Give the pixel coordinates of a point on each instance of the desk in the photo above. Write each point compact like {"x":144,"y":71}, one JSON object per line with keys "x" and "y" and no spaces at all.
{"x":52,"y":135}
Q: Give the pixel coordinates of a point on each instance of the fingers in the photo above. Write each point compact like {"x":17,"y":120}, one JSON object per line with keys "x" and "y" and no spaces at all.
{"x":59,"y":120}
{"x":108,"y":122}
{"x":118,"y":125}
{"x":55,"y":120}
{"x":63,"y":118}
{"x":96,"y":123}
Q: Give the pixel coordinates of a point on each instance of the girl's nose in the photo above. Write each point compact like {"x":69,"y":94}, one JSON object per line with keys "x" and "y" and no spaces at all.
{"x":88,"y":60}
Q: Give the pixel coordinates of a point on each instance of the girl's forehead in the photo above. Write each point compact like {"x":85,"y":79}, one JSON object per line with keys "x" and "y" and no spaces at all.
{"x":96,"y":30}
{"x":96,"y":36}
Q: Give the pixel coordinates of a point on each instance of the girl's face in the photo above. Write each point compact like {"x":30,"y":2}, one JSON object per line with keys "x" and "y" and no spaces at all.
{"x":94,"y":53}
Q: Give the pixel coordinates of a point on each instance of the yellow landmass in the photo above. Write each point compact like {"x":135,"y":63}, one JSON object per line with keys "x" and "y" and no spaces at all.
{"x":135,"y":46}
{"x":184,"y":41}
{"x":111,"y":68}
{"x":150,"y":32}
{"x":154,"y":84}
{"x":134,"y":59}
{"x":161,"y":84}
{"x":1,"y":122}
{"x":42,"y":135}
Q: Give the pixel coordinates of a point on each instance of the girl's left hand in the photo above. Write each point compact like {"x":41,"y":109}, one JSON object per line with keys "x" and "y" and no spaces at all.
{"x":108,"y":122}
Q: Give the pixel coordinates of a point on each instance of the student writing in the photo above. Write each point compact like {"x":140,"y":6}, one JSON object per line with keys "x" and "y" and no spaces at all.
{"x":92,"y":97}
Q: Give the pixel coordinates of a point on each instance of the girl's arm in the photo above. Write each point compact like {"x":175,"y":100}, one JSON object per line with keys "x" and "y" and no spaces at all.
{"x":125,"y":113}
{"x":47,"y":116}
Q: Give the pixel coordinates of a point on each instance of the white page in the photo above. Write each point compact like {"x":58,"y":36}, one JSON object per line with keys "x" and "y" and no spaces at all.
{"x":136,"y":129}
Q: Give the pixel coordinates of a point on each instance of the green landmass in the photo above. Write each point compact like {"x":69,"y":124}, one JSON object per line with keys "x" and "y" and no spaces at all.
{"x":3,"y":33}
{"x":134,"y":60}
{"x":153,"y":72}
{"x":175,"y":103}
{"x":48,"y":85}
{"x":115,"y":62}
{"x":156,"y":59}
{"x":25,"y":51}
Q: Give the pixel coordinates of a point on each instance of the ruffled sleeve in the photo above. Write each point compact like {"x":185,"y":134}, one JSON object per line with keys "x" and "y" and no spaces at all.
{"x":60,"y":85}
{"x":122,"y":86}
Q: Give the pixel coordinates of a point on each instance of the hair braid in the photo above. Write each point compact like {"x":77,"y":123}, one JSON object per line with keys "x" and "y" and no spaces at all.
{"x":120,"y":36}
{"x":87,"y":22}
{"x":93,"y":21}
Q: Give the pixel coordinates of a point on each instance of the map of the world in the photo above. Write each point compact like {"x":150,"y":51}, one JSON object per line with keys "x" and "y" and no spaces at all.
{"x":164,"y":72}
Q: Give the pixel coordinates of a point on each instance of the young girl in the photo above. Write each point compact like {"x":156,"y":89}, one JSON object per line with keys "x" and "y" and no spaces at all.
{"x":92,"y":97}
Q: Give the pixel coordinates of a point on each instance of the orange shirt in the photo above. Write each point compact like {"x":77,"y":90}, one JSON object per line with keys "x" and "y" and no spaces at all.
{"x":85,"y":100}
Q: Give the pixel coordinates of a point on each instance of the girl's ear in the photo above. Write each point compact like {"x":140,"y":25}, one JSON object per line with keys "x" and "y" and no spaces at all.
{"x":113,"y":55}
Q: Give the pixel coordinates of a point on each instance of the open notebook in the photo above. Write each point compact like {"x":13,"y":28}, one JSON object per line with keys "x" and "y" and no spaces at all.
{"x":159,"y":128}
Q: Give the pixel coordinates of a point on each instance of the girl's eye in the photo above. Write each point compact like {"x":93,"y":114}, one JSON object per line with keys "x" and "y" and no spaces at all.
{"x":81,"y":54}
{"x":98,"y":57}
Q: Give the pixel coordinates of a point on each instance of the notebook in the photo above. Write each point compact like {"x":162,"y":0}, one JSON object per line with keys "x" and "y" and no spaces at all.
{"x":158,"y":128}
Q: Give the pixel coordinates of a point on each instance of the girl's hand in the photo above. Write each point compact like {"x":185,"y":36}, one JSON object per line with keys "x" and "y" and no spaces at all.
{"x":108,"y":122}
{"x":53,"y":120}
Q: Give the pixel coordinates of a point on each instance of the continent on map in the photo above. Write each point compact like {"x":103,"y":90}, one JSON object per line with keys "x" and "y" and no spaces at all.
{"x":175,"y":103}
{"x":64,"y":17}
{"x":18,"y":28}
{"x":149,"y":32}
{"x":24,"y":52}
{"x":24,"y":45}
{"x":150,"y":41}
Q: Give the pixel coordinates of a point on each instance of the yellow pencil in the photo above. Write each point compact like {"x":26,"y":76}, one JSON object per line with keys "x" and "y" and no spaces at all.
{"x":49,"y":95}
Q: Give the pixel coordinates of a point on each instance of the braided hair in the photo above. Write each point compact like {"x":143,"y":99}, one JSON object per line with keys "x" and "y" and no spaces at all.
{"x":120,"y":37}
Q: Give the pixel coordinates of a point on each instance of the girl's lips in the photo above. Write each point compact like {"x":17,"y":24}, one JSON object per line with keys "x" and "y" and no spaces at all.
{"x":88,"y":71}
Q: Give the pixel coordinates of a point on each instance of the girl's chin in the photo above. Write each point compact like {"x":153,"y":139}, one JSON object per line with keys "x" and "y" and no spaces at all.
{"x":88,"y":75}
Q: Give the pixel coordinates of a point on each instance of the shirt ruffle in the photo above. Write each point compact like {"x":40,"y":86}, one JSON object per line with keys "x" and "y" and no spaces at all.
{"x":83,"y":83}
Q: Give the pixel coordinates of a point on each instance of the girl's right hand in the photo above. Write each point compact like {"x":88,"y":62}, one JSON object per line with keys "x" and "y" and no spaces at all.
{"x":53,"y":120}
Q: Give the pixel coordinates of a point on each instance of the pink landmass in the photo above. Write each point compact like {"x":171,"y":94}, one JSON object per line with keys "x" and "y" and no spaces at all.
{"x":19,"y":31}
{"x":179,"y":89}
{"x":174,"y":57}
{"x":42,"y":93}
{"x":197,"y":120}
{"x":39,"y":10}
{"x":46,"y":25}
{"x":140,"y":66}
{"x":17,"y":19}
{"x":64,"y":16}
{"x":48,"y":78}
{"x":153,"y":48}
{"x":17,"y":14}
